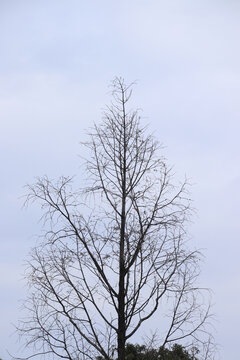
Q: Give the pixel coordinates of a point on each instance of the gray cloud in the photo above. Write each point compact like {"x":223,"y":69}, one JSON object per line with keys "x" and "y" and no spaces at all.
{"x":56,"y":61}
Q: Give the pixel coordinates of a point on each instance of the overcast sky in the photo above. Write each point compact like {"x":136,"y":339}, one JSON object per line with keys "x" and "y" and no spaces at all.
{"x":57,"y":59}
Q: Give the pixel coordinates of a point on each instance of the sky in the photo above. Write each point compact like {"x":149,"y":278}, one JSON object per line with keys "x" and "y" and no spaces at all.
{"x":57,"y":59}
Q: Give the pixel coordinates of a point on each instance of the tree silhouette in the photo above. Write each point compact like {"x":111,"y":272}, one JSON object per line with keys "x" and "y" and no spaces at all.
{"x":114,"y":252}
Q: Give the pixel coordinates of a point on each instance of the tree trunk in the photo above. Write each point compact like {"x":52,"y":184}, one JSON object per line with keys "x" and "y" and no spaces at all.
{"x":121,"y":319}
{"x":121,"y":288}
{"x":121,"y":293}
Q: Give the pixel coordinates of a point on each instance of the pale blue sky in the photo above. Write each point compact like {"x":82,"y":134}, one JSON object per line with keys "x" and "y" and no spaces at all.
{"x":56,"y":61}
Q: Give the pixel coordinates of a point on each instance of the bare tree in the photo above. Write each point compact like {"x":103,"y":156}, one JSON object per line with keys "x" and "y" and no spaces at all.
{"x":113,"y":253}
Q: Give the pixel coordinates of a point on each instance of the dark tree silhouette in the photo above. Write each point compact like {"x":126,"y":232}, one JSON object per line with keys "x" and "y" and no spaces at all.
{"x":114,"y":251}
{"x":176,"y":352}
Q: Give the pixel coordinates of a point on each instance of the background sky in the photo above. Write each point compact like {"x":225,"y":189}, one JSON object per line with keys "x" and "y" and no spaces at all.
{"x":57,"y":59}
